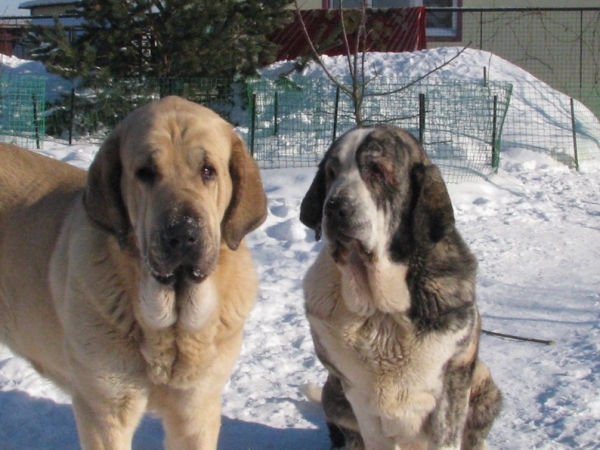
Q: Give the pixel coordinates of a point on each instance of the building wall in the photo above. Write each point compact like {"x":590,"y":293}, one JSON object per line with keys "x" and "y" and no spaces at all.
{"x":50,"y":10}
{"x":316,"y":4}
{"x":558,"y":47}
{"x":309,"y":4}
{"x":530,"y":3}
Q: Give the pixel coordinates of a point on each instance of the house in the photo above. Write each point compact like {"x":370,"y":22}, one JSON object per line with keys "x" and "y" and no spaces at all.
{"x":43,"y":13}
{"x":445,"y":27}
{"x":439,"y":25}
{"x":49,"y":7}
{"x":554,"y":40}
{"x":12,"y":29}
{"x":392,"y":30}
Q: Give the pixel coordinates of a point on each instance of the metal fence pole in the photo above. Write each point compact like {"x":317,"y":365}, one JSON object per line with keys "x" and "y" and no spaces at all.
{"x":253,"y":124}
{"x":71,"y":116}
{"x":421,"y":117}
{"x":495,"y":153}
{"x":580,"y":53}
{"x":275,"y":113}
{"x":480,"y":30}
{"x":35,"y":122}
{"x":335,"y":111}
{"x":574,"y":131}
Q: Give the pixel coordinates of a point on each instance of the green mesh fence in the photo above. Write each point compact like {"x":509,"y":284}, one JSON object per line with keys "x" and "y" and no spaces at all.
{"x":558,"y":45}
{"x":586,"y":126}
{"x":89,"y":114}
{"x":22,"y":104}
{"x":292,"y":123}
{"x":219,"y":94}
{"x":547,"y":121}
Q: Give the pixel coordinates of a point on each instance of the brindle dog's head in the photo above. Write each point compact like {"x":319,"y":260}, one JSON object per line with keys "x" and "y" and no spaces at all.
{"x":376,"y":189}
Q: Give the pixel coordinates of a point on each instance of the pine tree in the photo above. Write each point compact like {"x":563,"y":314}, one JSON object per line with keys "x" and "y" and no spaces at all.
{"x":163,"y":38}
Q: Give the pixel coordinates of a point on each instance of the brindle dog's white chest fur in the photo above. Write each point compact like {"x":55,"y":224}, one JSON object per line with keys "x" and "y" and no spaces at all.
{"x":392,"y":377}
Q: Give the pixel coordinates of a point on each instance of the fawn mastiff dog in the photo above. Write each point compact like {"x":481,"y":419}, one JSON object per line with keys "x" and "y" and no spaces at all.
{"x":391,"y":301}
{"x":128,"y":285}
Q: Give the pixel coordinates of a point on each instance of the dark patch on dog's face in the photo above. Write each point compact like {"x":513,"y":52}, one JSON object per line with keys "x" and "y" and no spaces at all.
{"x":383,"y":160}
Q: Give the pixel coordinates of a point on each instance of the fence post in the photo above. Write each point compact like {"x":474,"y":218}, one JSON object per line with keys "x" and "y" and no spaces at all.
{"x":574,"y":131}
{"x":275,"y":115}
{"x":421,"y":117}
{"x":252,"y":124}
{"x":495,"y":153}
{"x":480,"y":30}
{"x":35,"y":122}
{"x":335,"y":112}
{"x":71,"y":116}
{"x":580,"y":53}
{"x":161,"y":87}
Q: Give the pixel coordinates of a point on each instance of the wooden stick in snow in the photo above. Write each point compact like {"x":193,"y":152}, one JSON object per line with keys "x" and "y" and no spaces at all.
{"x":518,"y":338}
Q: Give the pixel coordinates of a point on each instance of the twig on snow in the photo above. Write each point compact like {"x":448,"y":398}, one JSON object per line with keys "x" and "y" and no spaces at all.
{"x":518,"y":338}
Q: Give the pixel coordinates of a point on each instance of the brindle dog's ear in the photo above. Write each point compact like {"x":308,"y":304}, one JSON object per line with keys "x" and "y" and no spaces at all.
{"x":247,"y":209}
{"x":311,"y":210}
{"x":102,"y":199}
{"x":433,"y":216}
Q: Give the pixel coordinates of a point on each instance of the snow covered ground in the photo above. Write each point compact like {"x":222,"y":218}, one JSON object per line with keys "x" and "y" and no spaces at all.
{"x":535,"y":228}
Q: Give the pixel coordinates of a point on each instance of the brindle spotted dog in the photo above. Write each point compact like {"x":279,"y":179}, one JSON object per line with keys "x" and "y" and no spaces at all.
{"x":391,"y":301}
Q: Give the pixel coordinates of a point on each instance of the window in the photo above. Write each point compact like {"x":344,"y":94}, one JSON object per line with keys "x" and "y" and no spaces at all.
{"x":391,"y":3}
{"x":335,"y":4}
{"x":441,"y":25}
{"x":372,"y":3}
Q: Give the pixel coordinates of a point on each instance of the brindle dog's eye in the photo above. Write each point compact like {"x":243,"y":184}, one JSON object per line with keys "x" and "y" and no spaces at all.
{"x":146,"y":174}
{"x":208,"y":172}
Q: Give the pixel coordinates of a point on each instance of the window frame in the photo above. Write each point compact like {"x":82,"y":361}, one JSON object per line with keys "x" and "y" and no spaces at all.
{"x":452,"y":34}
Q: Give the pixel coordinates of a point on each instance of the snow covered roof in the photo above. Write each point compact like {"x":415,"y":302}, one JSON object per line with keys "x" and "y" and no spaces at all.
{"x":40,"y":3}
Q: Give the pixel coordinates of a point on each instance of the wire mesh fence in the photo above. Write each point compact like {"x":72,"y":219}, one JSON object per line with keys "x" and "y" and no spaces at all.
{"x":89,"y":114}
{"x":539,"y":114}
{"x":22,"y":105}
{"x":558,"y":45}
{"x":464,"y":125}
{"x":585,"y":122}
{"x":293,"y":122}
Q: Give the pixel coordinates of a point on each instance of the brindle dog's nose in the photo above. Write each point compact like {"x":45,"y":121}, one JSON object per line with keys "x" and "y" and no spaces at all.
{"x":338,"y":208}
{"x":181,"y":237}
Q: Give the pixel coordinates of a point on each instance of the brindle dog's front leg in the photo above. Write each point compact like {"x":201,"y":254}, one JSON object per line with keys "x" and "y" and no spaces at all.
{"x":341,"y":421}
{"x":447,"y":422}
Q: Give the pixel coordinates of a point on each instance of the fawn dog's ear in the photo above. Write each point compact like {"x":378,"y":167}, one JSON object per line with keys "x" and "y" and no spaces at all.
{"x":247,"y":209}
{"x":102,"y":201}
